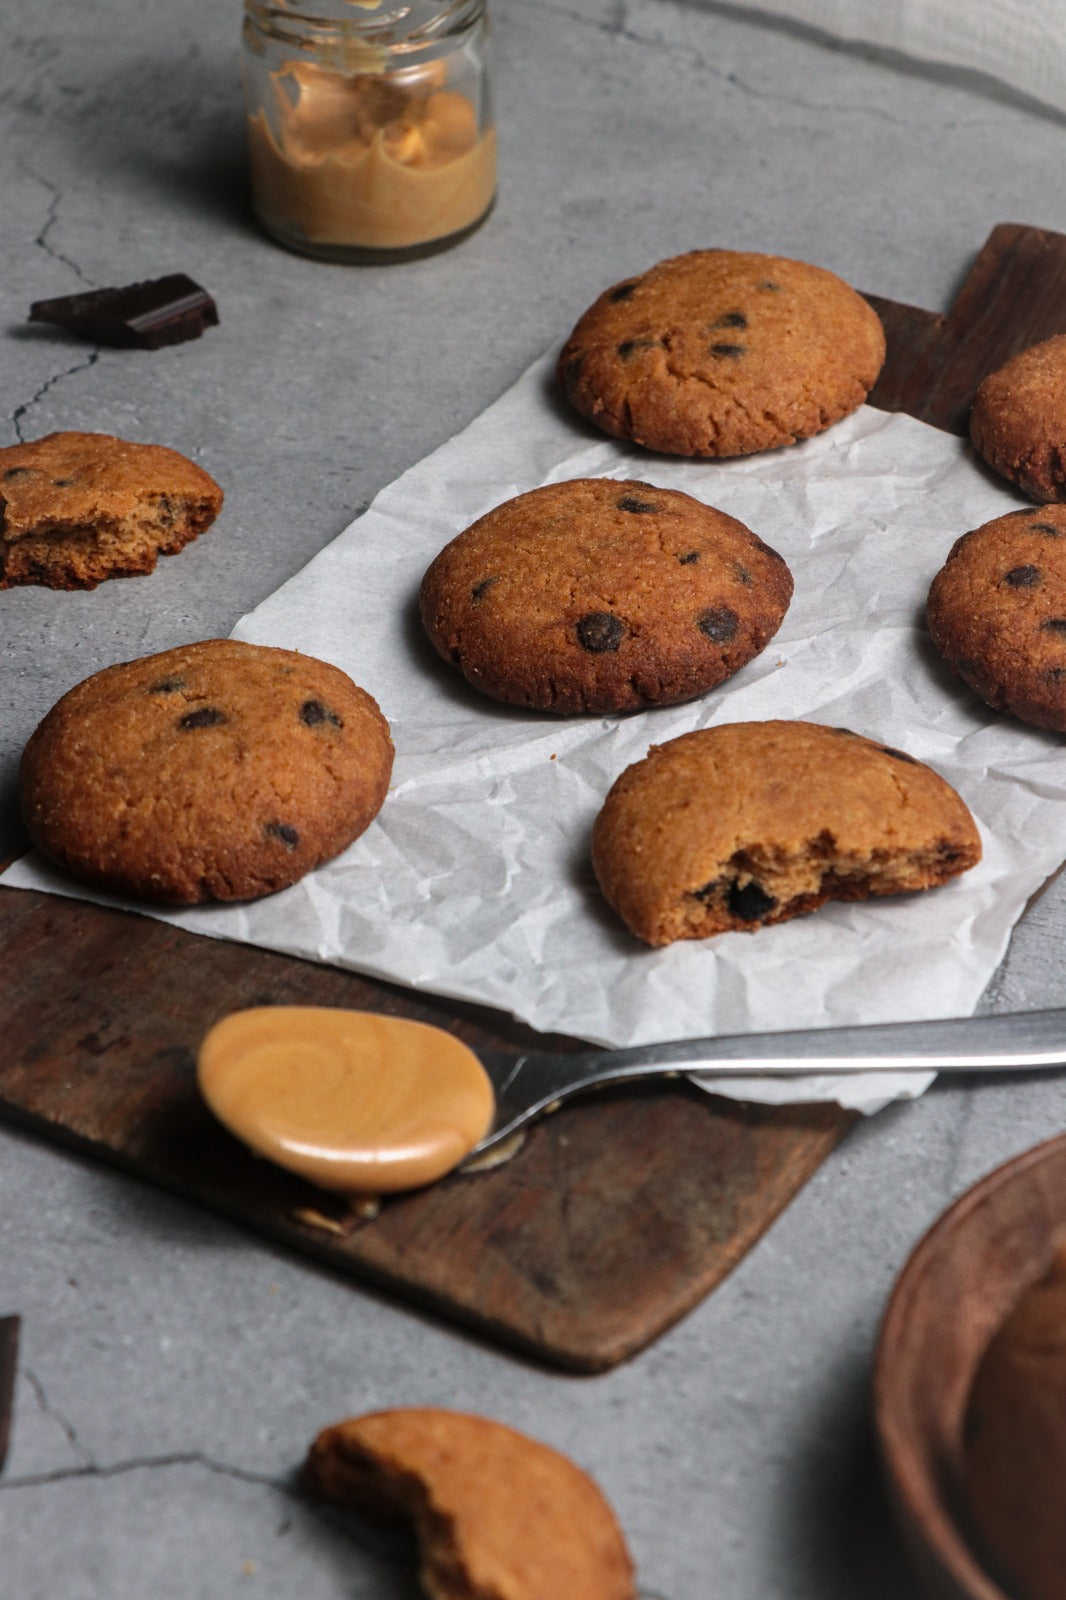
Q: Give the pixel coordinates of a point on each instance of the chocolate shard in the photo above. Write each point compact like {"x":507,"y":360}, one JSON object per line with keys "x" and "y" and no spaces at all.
{"x":140,"y":316}
{"x":9,"y":1346}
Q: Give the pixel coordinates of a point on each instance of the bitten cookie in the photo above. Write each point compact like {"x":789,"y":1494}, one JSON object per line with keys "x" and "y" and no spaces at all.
{"x":1015,"y":1442}
{"x":498,"y":1515}
{"x":597,"y":595}
{"x":76,"y":508}
{"x":751,"y":823}
{"x":216,"y":771}
{"x":997,"y":613}
{"x":1018,"y":421}
{"x":722,"y":353}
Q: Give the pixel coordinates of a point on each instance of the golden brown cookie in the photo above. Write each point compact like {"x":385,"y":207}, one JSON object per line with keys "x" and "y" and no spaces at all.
{"x":722,"y":353}
{"x":997,"y":613}
{"x":76,"y":508}
{"x":1018,"y":421}
{"x":215,"y":771}
{"x":1015,"y":1442}
{"x":751,"y":823}
{"x":598,"y":595}
{"x":498,"y":1515}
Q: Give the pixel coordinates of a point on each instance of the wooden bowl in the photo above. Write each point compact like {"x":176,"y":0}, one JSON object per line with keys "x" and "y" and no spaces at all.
{"x":958,"y":1286}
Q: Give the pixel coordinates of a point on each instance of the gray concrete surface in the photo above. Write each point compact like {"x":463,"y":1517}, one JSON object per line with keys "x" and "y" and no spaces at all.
{"x":174,"y":1369}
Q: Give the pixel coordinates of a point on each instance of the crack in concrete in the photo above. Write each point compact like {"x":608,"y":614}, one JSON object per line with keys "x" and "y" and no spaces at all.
{"x":116,"y":1469}
{"x":58,"y":377}
{"x":48,"y":1410}
{"x":56,"y":196}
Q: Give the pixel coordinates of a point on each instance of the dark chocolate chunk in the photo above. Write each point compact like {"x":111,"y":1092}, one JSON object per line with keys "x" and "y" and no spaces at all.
{"x":634,"y":504}
{"x":1022,"y":577}
{"x":900,"y":755}
{"x":1044,"y":527}
{"x":62,"y":483}
{"x":206,"y":717}
{"x":627,"y":347}
{"x":718,"y":623}
{"x":689,"y":557}
{"x":480,"y":590}
{"x":141,"y":316}
{"x":732,"y":351}
{"x":624,"y":291}
{"x":750,"y":903}
{"x":1055,"y":674}
{"x":9,"y":1349}
{"x":166,"y":686}
{"x":1054,"y":625}
{"x":710,"y":891}
{"x":599,"y":632}
{"x":741,"y":573}
{"x":20,"y":472}
{"x":732,"y":319}
{"x":284,"y":831}
{"x":313,"y":712}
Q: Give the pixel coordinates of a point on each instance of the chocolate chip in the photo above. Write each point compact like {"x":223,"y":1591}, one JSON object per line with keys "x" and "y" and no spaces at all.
{"x":732,"y":319}
{"x":741,"y":574}
{"x":711,"y":890}
{"x":62,"y":483}
{"x":206,"y":717}
{"x":766,"y":549}
{"x":631,"y":502}
{"x":572,"y":369}
{"x":480,"y":590}
{"x":689,"y":557}
{"x":732,"y":351}
{"x":1022,"y":577}
{"x":624,"y":291}
{"x":599,"y":632}
{"x":283,"y":831}
{"x":313,"y":712}
{"x":1055,"y":674}
{"x":1054,"y":625}
{"x":719,"y":624}
{"x":900,"y":755}
{"x":1044,"y":527}
{"x":627,"y":347}
{"x":20,"y":472}
{"x":769,"y":286}
{"x":166,"y":686}
{"x":750,"y":903}
{"x":165,"y":510}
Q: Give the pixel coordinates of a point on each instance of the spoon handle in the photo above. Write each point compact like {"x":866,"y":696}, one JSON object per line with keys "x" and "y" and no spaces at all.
{"x":527,"y":1085}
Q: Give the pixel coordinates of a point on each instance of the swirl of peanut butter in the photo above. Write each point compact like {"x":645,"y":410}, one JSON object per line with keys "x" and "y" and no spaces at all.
{"x":355,"y":1102}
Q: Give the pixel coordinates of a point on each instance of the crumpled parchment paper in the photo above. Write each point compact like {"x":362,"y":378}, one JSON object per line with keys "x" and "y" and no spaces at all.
{"x":474,"y":881}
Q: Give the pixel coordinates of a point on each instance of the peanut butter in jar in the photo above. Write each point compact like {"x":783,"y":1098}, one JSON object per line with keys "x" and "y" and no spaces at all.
{"x":369,"y":123}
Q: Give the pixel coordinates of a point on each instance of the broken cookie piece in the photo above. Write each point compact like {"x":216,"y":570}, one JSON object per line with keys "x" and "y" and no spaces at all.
{"x":498,"y":1515}
{"x":76,"y":508}
{"x":751,"y":823}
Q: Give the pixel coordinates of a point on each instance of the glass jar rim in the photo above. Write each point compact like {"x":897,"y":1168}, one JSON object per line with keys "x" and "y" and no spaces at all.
{"x":396,"y":24}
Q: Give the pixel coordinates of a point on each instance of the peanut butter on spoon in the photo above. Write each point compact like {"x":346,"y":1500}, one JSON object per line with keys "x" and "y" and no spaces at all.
{"x":355,"y":1102}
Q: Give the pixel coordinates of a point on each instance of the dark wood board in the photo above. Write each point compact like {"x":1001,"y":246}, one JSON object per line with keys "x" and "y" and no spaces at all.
{"x":619,"y":1213}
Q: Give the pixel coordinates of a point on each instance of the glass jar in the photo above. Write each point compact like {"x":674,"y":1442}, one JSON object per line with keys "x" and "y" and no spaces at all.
{"x":370,"y":126}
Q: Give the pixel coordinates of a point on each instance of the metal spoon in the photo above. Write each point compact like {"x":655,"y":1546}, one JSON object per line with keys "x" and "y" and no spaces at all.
{"x":528,"y":1085}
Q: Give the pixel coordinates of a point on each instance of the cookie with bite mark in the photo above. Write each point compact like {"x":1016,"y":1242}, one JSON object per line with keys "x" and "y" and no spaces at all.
{"x":739,"y":826}
{"x":76,"y":508}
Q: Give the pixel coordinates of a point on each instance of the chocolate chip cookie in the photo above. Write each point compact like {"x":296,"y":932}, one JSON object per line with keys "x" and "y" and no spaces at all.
{"x":215,"y":771}
{"x":76,"y":508}
{"x":599,"y":595}
{"x":997,"y":613}
{"x":750,"y":823}
{"x":722,"y":353}
{"x":1018,"y":421}
{"x":498,"y":1515}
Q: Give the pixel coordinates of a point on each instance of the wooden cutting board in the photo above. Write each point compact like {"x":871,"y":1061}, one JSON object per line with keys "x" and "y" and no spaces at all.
{"x":619,"y":1213}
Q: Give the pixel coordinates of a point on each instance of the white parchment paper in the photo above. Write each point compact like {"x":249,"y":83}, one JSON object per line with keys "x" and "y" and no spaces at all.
{"x":474,"y":881}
